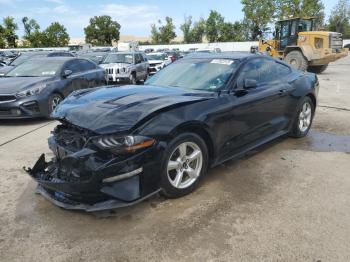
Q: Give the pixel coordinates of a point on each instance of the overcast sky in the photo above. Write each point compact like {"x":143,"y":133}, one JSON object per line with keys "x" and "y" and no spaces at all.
{"x":135,"y":16}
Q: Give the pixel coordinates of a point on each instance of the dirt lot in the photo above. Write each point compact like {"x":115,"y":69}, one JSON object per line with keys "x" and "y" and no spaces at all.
{"x":288,"y":201}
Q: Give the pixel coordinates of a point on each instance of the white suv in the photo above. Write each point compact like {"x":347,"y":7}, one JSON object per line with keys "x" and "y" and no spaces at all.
{"x":126,"y":67}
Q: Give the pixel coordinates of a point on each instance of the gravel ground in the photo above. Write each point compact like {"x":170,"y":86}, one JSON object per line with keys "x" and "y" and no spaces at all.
{"x":286,"y":201}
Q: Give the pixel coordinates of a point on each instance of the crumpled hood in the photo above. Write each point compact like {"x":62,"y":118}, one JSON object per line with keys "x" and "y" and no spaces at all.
{"x":118,"y":109}
{"x":12,"y":85}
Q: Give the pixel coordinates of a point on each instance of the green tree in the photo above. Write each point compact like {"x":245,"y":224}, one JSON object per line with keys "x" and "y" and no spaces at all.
{"x":167,"y":31}
{"x":214,"y":26}
{"x":300,"y":8}
{"x":102,"y":30}
{"x":232,"y":32}
{"x":339,"y":19}
{"x":186,"y":29}
{"x":258,"y":14}
{"x":155,"y":36}
{"x":9,"y":28}
{"x":164,"y":33}
{"x":2,"y":38}
{"x":56,"y":35}
{"x":32,"y":35}
{"x":198,"y":31}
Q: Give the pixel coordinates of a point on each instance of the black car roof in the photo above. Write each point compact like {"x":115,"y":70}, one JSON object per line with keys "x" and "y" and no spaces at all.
{"x":63,"y":59}
{"x":224,"y":55}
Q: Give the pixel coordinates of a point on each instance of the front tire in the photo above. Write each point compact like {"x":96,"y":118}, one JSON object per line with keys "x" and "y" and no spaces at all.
{"x":303,"y":119}
{"x":297,"y":59}
{"x":53,"y":102}
{"x":317,"y":69}
{"x":133,"y":79}
{"x":184,"y":164}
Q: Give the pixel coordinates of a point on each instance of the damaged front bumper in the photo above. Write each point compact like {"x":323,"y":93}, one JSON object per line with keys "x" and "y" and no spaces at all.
{"x":83,"y":181}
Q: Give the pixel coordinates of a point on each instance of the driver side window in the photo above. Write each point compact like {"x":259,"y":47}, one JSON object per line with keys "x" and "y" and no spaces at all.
{"x":249,"y":71}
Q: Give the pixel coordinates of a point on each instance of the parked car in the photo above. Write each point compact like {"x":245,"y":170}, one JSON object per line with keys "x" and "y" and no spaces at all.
{"x":347,"y":46}
{"x":209,"y":50}
{"x":157,"y":61}
{"x":29,"y":55}
{"x":8,"y":54}
{"x":97,"y":57}
{"x":117,"y":146}
{"x":35,"y":87}
{"x":173,"y":55}
{"x":126,"y":67}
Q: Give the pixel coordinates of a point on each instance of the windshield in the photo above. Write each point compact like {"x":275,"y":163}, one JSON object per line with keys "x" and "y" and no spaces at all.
{"x":202,"y":74}
{"x":36,"y":68}
{"x":24,"y":57}
{"x":118,"y":58}
{"x":305,"y":26}
{"x":156,"y":56}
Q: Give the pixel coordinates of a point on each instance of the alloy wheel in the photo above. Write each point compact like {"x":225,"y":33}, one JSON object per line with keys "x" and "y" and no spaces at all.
{"x":305,"y":117}
{"x":55,"y":101}
{"x":185,"y":165}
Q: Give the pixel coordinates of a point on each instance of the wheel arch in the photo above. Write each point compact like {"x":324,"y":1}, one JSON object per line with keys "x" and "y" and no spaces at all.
{"x":313,"y":98}
{"x":199,"y":129}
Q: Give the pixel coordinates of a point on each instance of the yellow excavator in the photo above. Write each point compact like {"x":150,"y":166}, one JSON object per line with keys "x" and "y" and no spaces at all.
{"x":296,"y":42}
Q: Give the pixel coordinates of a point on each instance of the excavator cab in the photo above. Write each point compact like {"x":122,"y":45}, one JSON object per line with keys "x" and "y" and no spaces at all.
{"x":286,"y":31}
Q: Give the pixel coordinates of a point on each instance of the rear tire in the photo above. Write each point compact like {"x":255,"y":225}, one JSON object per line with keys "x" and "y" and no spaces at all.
{"x":317,"y":69}
{"x":303,"y":119}
{"x":184,"y":164}
{"x":297,"y":60}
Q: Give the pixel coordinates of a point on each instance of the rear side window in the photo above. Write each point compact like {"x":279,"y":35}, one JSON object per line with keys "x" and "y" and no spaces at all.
{"x":263,"y":71}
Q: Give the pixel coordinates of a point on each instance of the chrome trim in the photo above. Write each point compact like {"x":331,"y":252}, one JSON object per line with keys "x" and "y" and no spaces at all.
{"x":8,"y":101}
{"x":122,"y":176}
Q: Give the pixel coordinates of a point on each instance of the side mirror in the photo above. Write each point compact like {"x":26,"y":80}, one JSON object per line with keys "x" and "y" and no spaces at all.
{"x":250,"y":83}
{"x":66,"y":73}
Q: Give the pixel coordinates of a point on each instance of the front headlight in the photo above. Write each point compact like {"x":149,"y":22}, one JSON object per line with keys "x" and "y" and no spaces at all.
{"x":31,"y":91}
{"x":125,"y":144}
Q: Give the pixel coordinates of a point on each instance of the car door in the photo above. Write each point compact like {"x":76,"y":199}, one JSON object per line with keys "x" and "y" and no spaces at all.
{"x":76,"y":80}
{"x":139,"y":66}
{"x":91,"y":74}
{"x":257,"y":112}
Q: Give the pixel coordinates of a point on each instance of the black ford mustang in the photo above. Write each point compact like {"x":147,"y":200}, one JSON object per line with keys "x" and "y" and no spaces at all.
{"x":35,"y":87}
{"x":117,"y":146}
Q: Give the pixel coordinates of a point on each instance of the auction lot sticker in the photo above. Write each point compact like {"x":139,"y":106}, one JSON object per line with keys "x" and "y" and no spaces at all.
{"x":222,"y":61}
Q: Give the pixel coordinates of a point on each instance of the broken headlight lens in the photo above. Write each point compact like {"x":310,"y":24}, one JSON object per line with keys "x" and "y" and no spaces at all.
{"x":125,"y":144}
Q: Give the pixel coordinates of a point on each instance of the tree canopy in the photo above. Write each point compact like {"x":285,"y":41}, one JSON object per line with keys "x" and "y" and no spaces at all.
{"x":164,"y":33}
{"x":102,"y":30}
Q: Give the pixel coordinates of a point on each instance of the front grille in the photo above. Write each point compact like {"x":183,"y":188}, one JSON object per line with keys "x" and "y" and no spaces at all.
{"x":110,"y":71}
{"x":5,"y":112}
{"x":7,"y":98}
{"x":335,"y":41}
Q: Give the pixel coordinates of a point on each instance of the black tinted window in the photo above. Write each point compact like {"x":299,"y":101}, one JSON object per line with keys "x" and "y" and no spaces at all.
{"x":86,"y":65}
{"x":138,"y":58}
{"x":74,"y":66}
{"x":249,"y":71}
{"x":262,"y":70}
